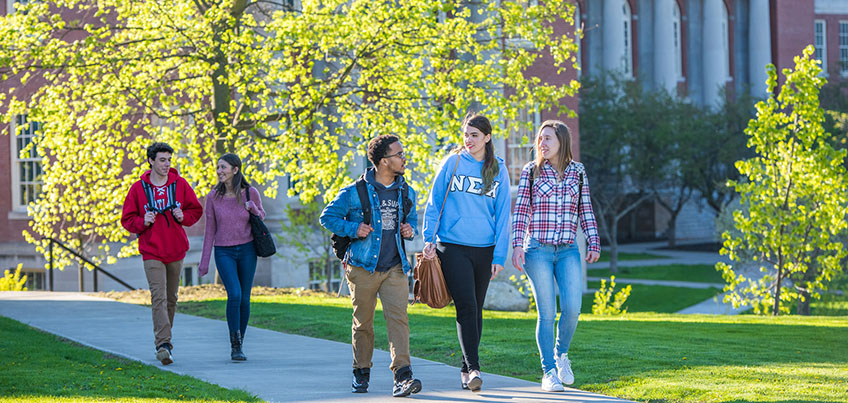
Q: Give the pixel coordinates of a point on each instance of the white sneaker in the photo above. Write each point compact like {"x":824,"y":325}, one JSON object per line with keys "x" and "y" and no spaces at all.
{"x":564,"y":369}
{"x":551,"y":383}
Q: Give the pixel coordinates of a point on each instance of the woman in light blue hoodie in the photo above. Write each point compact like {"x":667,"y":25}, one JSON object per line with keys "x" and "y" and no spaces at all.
{"x":471,"y":192}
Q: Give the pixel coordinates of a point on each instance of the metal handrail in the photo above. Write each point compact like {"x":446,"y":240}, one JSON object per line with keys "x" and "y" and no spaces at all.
{"x":84,"y":259}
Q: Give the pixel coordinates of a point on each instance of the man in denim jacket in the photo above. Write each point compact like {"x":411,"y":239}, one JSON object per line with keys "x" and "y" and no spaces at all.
{"x":376,"y":262}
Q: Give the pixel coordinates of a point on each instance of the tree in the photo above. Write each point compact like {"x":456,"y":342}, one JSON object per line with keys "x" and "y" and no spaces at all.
{"x":292,"y":90}
{"x":307,"y":236}
{"x":617,"y":172}
{"x":794,"y":190}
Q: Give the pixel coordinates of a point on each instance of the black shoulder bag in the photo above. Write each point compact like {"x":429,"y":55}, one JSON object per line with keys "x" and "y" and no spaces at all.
{"x":263,"y":242}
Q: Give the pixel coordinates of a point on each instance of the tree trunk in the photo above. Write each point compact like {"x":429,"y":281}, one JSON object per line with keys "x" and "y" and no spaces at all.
{"x":672,"y":231}
{"x":613,"y":240}
{"x":775,"y":310}
{"x":804,"y":303}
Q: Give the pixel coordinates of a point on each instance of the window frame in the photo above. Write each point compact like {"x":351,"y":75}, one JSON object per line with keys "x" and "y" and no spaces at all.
{"x":843,"y":48}
{"x":16,"y":161}
{"x":677,"y":33}
{"x":515,"y":166}
{"x":823,"y":36}
{"x":628,"y":38}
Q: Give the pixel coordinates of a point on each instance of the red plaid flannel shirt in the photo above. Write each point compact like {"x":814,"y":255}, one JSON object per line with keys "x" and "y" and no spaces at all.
{"x":554,"y":209}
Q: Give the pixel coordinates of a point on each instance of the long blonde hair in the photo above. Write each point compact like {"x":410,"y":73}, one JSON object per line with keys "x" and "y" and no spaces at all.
{"x":563,"y":156}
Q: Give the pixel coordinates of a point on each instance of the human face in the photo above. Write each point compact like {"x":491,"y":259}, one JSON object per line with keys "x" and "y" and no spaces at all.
{"x":549,"y":144}
{"x":395,"y":160}
{"x":161,"y":164}
{"x":225,"y":172}
{"x":475,"y":141}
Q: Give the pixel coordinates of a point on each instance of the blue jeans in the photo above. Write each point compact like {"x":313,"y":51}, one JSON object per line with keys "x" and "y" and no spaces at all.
{"x":236,"y":266}
{"x":543,"y":264}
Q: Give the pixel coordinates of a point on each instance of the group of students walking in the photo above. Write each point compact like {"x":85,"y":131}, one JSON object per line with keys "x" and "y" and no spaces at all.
{"x":466,"y":224}
{"x":158,"y":207}
{"x":469,"y":230}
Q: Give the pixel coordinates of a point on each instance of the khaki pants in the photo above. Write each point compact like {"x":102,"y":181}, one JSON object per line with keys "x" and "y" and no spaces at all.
{"x":393,"y":287}
{"x":164,"y":282}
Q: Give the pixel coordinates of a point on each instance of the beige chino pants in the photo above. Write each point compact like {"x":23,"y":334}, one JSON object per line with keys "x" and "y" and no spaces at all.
{"x":393,"y":289}
{"x":164,"y":282}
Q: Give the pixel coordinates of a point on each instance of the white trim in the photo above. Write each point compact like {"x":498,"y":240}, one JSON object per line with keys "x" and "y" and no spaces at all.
{"x":823,"y":48}
{"x":578,"y":19}
{"x":677,"y":37}
{"x":831,"y":7}
{"x":628,"y":38}
{"x":843,"y":48}
{"x":17,"y":207}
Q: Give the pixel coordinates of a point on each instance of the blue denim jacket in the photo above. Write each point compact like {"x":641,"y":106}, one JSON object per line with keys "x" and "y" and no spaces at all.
{"x":344,"y":214}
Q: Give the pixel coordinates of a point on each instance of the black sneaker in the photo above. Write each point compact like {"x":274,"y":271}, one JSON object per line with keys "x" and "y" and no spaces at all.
{"x":163,"y":354}
{"x":405,"y":384}
{"x":361,"y":376}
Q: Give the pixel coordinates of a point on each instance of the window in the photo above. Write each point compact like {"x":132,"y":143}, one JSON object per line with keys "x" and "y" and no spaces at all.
{"x":35,"y":278}
{"x":628,"y":43}
{"x":318,"y":276}
{"x":520,"y":152}
{"x":26,"y":169}
{"x":725,"y":42}
{"x":821,"y":43}
{"x":10,"y":5}
{"x":678,"y":48}
{"x":843,"y":48}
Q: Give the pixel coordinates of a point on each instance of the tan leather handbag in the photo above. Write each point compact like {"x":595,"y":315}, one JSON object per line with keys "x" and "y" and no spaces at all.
{"x":430,"y":287}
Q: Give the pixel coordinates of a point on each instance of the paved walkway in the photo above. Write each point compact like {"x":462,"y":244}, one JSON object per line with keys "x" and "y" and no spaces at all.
{"x":280,"y":367}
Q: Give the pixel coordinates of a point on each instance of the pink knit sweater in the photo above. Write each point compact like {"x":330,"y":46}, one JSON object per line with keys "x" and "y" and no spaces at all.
{"x":227,"y":223}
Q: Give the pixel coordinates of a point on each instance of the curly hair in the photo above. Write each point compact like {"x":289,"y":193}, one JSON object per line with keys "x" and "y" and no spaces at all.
{"x":378,"y":147}
{"x":157,"y":148}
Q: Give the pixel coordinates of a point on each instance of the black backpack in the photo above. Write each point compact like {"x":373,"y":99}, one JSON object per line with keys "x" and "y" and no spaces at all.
{"x":171,"y":194}
{"x":342,"y":243}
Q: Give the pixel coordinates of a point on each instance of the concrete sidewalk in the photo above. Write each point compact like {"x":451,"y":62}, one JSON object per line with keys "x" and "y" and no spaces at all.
{"x":280,"y":367}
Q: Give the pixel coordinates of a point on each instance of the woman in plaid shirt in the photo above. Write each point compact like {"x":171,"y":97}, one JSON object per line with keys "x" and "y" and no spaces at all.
{"x":559,"y":195}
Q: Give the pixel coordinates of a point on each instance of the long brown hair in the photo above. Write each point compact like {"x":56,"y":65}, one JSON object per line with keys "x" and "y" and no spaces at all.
{"x":239,"y":182}
{"x":490,"y":164}
{"x":563,"y":156}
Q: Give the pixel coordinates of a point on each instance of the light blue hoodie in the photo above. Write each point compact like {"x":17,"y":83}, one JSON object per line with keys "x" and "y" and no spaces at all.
{"x":470,"y":218}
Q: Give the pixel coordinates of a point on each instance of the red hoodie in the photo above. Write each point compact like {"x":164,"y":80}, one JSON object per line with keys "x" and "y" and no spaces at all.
{"x":166,"y":239}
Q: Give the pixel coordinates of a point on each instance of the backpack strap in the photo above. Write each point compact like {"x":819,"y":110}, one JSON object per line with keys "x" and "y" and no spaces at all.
{"x":531,"y":178}
{"x":407,"y":203}
{"x":148,"y":193}
{"x":171,"y":193}
{"x":364,"y":200}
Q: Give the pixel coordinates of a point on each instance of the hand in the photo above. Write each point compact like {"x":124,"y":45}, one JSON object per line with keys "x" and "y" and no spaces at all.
{"x":250,"y":206}
{"x":429,"y":250}
{"x":518,"y":258}
{"x":363,"y":230}
{"x":201,"y":271}
{"x":496,"y":268}
{"x":592,"y":257}
{"x":178,"y":214}
{"x":149,"y":218}
{"x":406,"y":230}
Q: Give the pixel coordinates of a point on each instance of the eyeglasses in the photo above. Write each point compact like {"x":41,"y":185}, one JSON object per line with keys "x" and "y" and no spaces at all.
{"x":398,"y":154}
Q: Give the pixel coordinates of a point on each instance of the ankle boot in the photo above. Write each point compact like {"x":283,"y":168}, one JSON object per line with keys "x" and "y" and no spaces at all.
{"x":235,"y":341}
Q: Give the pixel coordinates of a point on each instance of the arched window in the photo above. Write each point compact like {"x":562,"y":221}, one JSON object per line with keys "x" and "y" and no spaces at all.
{"x":678,"y":41}
{"x":628,"y":39}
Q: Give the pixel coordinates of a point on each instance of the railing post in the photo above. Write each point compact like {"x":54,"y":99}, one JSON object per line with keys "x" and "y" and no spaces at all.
{"x":94,"y":273}
{"x":81,"y":282}
{"x":50,"y":247}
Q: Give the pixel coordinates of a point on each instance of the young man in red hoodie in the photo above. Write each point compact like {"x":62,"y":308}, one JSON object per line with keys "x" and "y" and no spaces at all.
{"x":157,"y":208}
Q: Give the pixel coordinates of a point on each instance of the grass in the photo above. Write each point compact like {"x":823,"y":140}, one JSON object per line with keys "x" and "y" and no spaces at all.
{"x":698,"y":273}
{"x":640,"y":356}
{"x":654,"y":298}
{"x":605,"y":255}
{"x":39,"y":367}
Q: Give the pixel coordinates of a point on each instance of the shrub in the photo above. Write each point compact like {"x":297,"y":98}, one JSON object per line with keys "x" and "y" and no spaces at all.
{"x":607,"y":304}
{"x":13,"y":281}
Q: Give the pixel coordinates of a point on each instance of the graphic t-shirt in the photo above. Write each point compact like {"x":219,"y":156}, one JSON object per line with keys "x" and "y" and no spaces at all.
{"x":389,"y":256}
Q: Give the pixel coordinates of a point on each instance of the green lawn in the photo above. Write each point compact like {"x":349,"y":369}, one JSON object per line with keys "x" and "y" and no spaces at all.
{"x":699,"y":273}
{"x":654,"y":298}
{"x":642,"y":356}
{"x":630,"y":256}
{"x":39,"y":367}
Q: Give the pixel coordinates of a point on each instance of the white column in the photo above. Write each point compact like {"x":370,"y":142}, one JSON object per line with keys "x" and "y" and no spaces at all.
{"x":613,"y":26}
{"x":714,"y":53}
{"x":759,"y":45}
{"x":665,"y":72}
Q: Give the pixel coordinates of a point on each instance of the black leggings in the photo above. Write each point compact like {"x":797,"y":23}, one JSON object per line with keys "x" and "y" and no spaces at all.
{"x":467,"y":270}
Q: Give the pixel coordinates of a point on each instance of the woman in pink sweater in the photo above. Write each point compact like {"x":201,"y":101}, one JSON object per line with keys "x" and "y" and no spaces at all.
{"x":228,"y":209}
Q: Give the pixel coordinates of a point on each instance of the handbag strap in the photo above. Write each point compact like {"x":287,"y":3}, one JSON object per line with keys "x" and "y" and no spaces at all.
{"x":439,"y":220}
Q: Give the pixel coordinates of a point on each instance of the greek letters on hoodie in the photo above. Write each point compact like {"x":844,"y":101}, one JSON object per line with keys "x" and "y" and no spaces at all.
{"x":165,"y":240}
{"x":470,"y":217}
